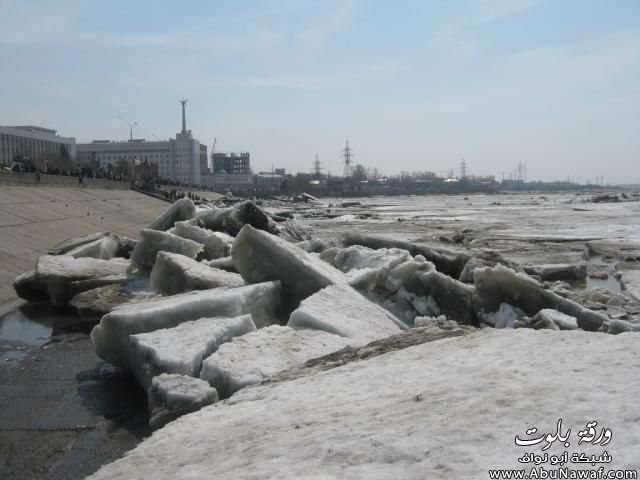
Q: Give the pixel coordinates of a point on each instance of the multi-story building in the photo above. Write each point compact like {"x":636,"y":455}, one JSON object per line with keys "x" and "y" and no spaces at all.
{"x":35,"y":143}
{"x":204,"y":160}
{"x":231,"y":163}
{"x":178,"y":160}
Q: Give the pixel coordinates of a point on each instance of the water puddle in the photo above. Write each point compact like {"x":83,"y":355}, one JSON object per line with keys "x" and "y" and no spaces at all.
{"x":601,"y":263}
{"x":26,"y":326}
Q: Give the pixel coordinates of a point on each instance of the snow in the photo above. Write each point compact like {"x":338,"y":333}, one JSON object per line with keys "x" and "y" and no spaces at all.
{"x":260,"y":256}
{"x":253,"y":357}
{"x":153,"y":241}
{"x":172,"y":396}
{"x":341,"y":310}
{"x":504,"y":317}
{"x":181,"y":349}
{"x":174,"y":273}
{"x":448,"y":409}
{"x":56,"y":273}
{"x":554,"y":317}
{"x":216,"y":244}
{"x":111,"y":336}
{"x":183,"y":209}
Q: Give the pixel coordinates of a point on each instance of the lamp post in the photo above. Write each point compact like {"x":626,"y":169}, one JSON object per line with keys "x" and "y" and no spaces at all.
{"x":131,"y":125}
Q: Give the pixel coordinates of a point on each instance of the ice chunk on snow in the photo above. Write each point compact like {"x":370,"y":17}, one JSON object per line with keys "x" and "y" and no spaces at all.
{"x":181,"y":349}
{"x":342,"y":310}
{"x":555,"y":318}
{"x":153,"y":241}
{"x":224,"y":263}
{"x":500,"y":284}
{"x":216,"y":244}
{"x":454,"y":298}
{"x":183,"y":209}
{"x":111,"y":336}
{"x":172,"y":396}
{"x":173,"y":273}
{"x":504,"y":317}
{"x":253,"y":357}
{"x":74,"y":242}
{"x":57,"y":272}
{"x":260,"y":256}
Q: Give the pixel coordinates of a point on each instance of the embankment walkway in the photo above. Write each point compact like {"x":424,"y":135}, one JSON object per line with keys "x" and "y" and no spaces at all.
{"x":32,"y":220}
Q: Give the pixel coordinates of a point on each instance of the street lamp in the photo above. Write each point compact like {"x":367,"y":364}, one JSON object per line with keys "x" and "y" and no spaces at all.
{"x":131,"y":125}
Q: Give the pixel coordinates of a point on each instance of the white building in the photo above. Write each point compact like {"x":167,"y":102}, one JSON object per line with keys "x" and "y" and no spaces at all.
{"x":37,"y":143}
{"x":178,"y":159}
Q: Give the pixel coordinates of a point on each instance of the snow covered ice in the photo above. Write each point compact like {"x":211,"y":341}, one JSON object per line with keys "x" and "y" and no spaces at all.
{"x":111,"y":336}
{"x":260,"y":256}
{"x":341,"y":310}
{"x":216,"y":244}
{"x":153,"y":241}
{"x":173,"y":273}
{"x":180,"y":210}
{"x":54,"y":275}
{"x":181,"y":349}
{"x":171,"y":396}
{"x":256,"y":356}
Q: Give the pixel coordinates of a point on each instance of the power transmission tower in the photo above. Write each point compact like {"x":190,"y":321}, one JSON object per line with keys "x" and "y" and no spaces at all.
{"x":317,"y":168}
{"x":520,"y":176}
{"x":347,"y":153}
{"x":463,"y":170}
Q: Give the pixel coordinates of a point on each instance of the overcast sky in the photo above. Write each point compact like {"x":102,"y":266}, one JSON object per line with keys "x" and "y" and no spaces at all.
{"x":413,"y":85}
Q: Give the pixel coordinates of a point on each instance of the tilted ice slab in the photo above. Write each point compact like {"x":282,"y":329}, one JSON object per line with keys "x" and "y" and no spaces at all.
{"x":55,"y":273}
{"x":216,"y":244}
{"x":447,"y":262}
{"x":558,"y":271}
{"x":554,"y":319}
{"x":448,"y":409}
{"x":153,"y":241}
{"x":183,"y":209}
{"x":357,"y":257}
{"x":260,"y":256}
{"x":251,"y":358}
{"x":75,"y":242}
{"x":505,"y":317}
{"x":500,"y":284}
{"x":181,"y":349}
{"x":104,"y":299}
{"x":454,"y":298}
{"x":171,"y":396}
{"x":342,"y":310}
{"x":111,"y":336}
{"x":174,"y":273}
{"x":231,"y":219}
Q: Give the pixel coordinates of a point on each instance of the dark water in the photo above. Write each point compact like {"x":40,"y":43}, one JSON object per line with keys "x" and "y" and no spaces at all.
{"x":25,"y":326}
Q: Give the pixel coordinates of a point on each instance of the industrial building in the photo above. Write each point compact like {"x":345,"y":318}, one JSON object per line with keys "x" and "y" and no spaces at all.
{"x":232,"y":163}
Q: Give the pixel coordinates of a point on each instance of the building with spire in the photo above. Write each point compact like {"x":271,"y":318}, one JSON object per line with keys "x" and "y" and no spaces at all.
{"x":178,"y":160}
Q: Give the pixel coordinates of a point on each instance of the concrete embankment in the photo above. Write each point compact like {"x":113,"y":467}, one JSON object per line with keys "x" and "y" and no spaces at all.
{"x":33,"y":219}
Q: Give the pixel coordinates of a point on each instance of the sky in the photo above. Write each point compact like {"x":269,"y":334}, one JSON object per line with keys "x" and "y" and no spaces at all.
{"x":412,"y":85}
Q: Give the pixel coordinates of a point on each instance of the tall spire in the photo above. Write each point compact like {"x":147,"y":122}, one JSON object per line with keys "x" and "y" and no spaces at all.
{"x":184,"y":118}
